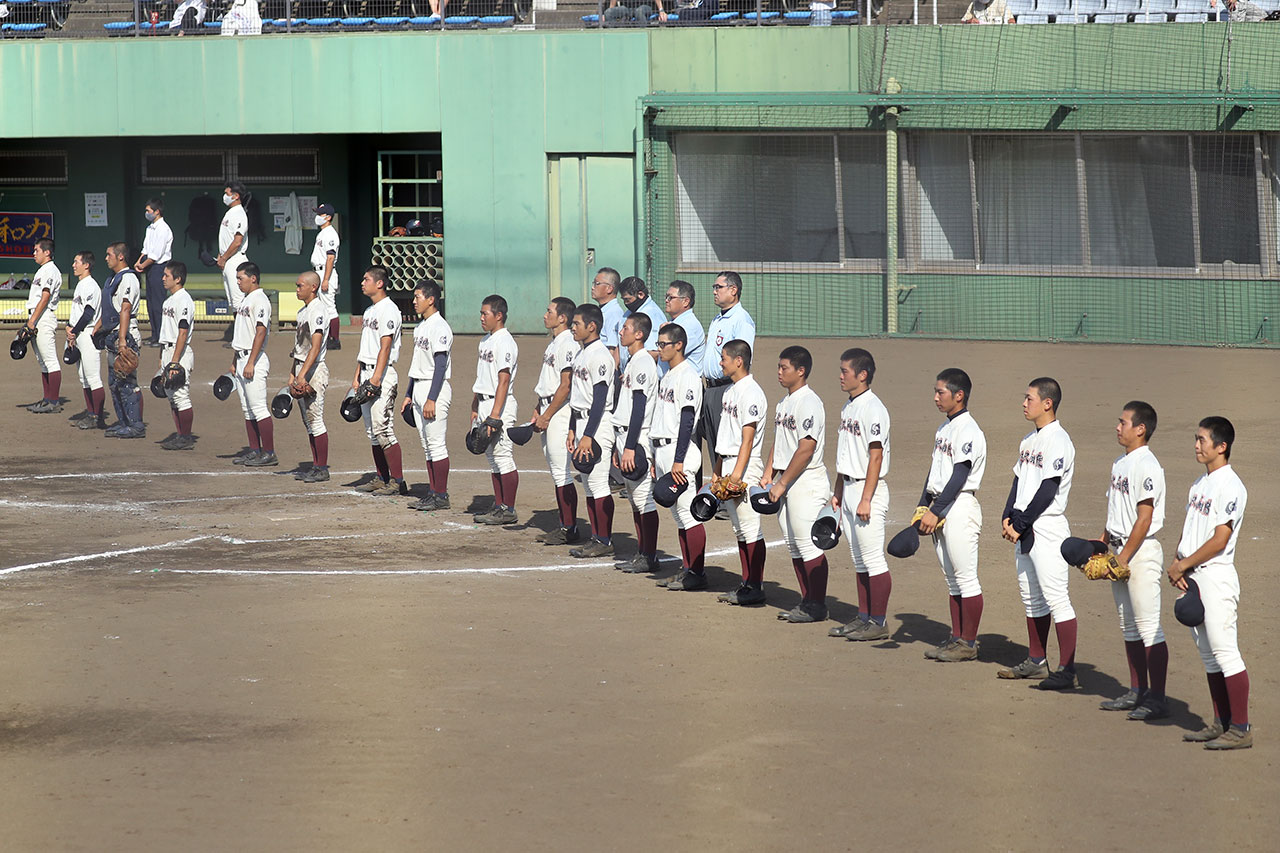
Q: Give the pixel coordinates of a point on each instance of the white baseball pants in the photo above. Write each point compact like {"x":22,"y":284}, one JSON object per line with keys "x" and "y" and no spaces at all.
{"x":1043,"y":574}
{"x":664,"y":457}
{"x":90,"y":366}
{"x":1216,"y":637}
{"x":597,"y":482}
{"x":1138,"y":599}
{"x":45,"y":343}
{"x":799,"y":509}
{"x":179,"y":398}
{"x":956,"y":545}
{"x":380,"y":414}
{"x":866,"y":538}
{"x":432,"y":432}
{"x":500,"y":452}
{"x":253,"y":394}
{"x":555,"y":449}
{"x":639,"y":492}
{"x":745,"y":520}
{"x":312,"y":408}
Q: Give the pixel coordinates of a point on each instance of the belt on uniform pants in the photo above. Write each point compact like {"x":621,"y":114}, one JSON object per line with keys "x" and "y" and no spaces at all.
{"x":1115,"y":542}
{"x":367,"y":366}
{"x":933,"y":496}
{"x":662,"y":442}
{"x":849,"y":479}
{"x":485,"y":396}
{"x":716,"y":383}
{"x":543,"y":401}
{"x":242,"y":353}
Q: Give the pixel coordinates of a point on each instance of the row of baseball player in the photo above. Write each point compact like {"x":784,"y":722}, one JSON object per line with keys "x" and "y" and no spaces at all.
{"x":596,"y":403}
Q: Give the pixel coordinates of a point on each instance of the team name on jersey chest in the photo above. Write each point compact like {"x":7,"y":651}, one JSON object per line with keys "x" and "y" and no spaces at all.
{"x":853,"y":426}
{"x":1203,"y":504}
{"x":371,"y":323}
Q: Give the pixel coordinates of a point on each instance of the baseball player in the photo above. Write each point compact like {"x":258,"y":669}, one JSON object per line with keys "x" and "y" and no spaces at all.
{"x":120,"y":298}
{"x":732,"y":323}
{"x":177,"y":314}
{"x":241,"y":19}
{"x":1135,"y":514}
{"x":604,"y":290}
{"x":679,"y":304}
{"x":493,"y":403}
{"x":551,"y":416}
{"x":310,"y":370}
{"x":632,"y":420}
{"x":376,"y":364}
{"x":157,"y":250}
{"x":796,"y":478}
{"x":675,"y":452}
{"x":42,"y":325}
{"x":590,"y":428}
{"x":1206,"y":553}
{"x":324,"y":260}
{"x":862,"y":495}
{"x":738,"y":445}
{"x":430,"y":393}
{"x":233,"y":245}
{"x":951,"y":493}
{"x":250,"y":366}
{"x":86,"y":306}
{"x":1035,"y":519}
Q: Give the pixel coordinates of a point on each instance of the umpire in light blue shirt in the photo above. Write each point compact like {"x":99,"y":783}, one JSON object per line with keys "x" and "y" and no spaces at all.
{"x":679,"y":302}
{"x":604,"y":290}
{"x":732,"y":323}
{"x":635,"y":295}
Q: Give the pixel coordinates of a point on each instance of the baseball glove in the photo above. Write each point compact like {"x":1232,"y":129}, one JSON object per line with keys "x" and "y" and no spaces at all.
{"x":919,"y":514}
{"x":25,"y":334}
{"x":367,"y":392}
{"x":126,"y":362}
{"x":301,"y":389}
{"x":1105,"y":567}
{"x":175,"y":376}
{"x":727,"y":488}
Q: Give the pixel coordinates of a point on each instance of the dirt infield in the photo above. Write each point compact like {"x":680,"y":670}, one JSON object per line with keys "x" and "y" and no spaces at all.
{"x":198,"y":657}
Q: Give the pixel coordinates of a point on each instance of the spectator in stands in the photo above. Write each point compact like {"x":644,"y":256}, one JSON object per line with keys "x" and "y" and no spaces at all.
{"x":617,"y":13}
{"x":198,"y":7}
{"x":1241,"y":10}
{"x":690,"y":10}
{"x":987,"y":12}
{"x":437,"y":8}
{"x":242,"y":19}
{"x":820,"y":12}
{"x":4,"y":10}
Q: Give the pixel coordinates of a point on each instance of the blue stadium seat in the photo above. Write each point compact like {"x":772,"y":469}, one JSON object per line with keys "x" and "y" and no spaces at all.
{"x":424,"y":21}
{"x":27,"y":29}
{"x":115,"y":28}
{"x":356,"y":23}
{"x":764,"y":16}
{"x":1033,"y":18}
{"x":391,"y":21}
{"x":846,"y":15}
{"x":460,"y":22}
{"x":496,"y":20}
{"x":283,"y":23}
{"x":590,"y":19}
{"x":722,"y":17}
{"x":797,"y":17}
{"x":322,"y":23}
{"x":671,"y":18}
{"x":213,"y":25}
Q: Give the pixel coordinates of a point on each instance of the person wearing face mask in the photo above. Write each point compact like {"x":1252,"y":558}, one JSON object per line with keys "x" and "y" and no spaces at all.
{"x":324,"y":259}
{"x":233,"y":247}
{"x":157,"y":250}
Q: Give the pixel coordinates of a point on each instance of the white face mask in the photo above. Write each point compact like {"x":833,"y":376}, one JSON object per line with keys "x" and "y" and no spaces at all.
{"x":151,"y":217}
{"x":321,"y":219}
{"x":227,"y":198}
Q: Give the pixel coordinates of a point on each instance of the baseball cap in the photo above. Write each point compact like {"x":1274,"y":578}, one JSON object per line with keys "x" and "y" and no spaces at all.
{"x":325,"y":210}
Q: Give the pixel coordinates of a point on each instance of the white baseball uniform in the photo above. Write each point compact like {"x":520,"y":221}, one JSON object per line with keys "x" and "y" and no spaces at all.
{"x":234,"y":221}
{"x":798,"y":416}
{"x":680,"y":389}
{"x":592,"y":366}
{"x":87,"y":298}
{"x":254,"y":311}
{"x":497,"y":352}
{"x":431,"y":336}
{"x":242,"y":19}
{"x":49,"y":278}
{"x":327,"y":243}
{"x":381,"y":319}
{"x":1137,"y":477}
{"x":1042,"y":575}
{"x":641,"y":375}
{"x":744,"y":403}
{"x":312,"y":317}
{"x":179,"y":310}
{"x":1213,"y":500}
{"x":864,"y":421}
{"x":957,"y":440}
{"x":556,"y":358}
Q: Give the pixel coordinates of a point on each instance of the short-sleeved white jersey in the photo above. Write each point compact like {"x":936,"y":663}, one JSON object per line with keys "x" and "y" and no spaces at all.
{"x":1044,"y":454}
{"x":311,"y":319}
{"x":255,"y":311}
{"x":327,"y":243}
{"x":958,"y":439}
{"x":49,"y":278}
{"x":178,"y":308}
{"x":497,"y":352}
{"x":641,"y":375}
{"x":433,"y":335}
{"x":681,"y":388}
{"x":864,"y":421}
{"x":797,"y":416}
{"x":381,"y":319}
{"x":1214,"y":499}
{"x":743,"y":403}
{"x":1135,"y":477}
{"x":86,"y":297}
{"x":556,"y":359}
{"x":234,"y":221}
{"x":591,"y":366}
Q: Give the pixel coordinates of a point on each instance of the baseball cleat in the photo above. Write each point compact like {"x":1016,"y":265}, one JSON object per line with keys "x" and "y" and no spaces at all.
{"x":184,"y":442}
{"x":79,"y":416}
{"x":594,"y":548}
{"x":847,"y":628}
{"x":870,"y":630}
{"x":133,"y":432}
{"x":499,"y":515}
{"x":932,"y":654}
{"x":371,"y":486}
{"x":425,"y":504}
{"x":958,"y":651}
{"x":1060,"y":679}
{"x":389,"y":489}
{"x":1151,"y":708}
{"x":640,"y":564}
{"x":317,"y":474}
{"x":805,"y":611}
{"x":91,"y":423}
{"x":686,"y":581}
{"x":1232,"y":738}
{"x":561,"y":536}
{"x":242,"y":458}
{"x":1027,"y":669}
{"x":46,"y":407}
{"x":744,"y":596}
{"x":115,"y":429}
{"x":1210,"y":732}
{"x":167,"y":440}
{"x":1127,"y":702}
{"x":266,"y":459}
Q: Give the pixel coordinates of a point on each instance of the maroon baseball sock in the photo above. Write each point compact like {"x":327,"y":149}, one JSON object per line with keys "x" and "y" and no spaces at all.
{"x":970,"y":617}
{"x":395,"y":461}
{"x":802,"y":577}
{"x":186,"y":417}
{"x":439,"y":474}
{"x":88,"y":399}
{"x":380,"y":461}
{"x":881,"y":586}
{"x":744,"y":557}
{"x":497,"y":488}
{"x":176,"y":424}
{"x":1067,"y":643}
{"x":322,"y":449}
{"x":510,"y":483}
{"x":756,"y":555}
{"x":268,"y":432}
{"x":333,"y":328}
{"x":864,"y":593}
{"x":957,"y":617}
{"x":649,"y":522}
{"x":567,"y":501}
{"x":1136,"y":654}
{"x":1158,"y":667}
{"x":99,"y":400}
{"x":55,"y":385}
{"x":593,"y":520}
{"x":1221,"y":697}
{"x":44,"y":386}
{"x":817,"y":571}
{"x":1037,"y":636}
{"x":1237,"y":687}
{"x":251,"y":429}
{"x":693,"y":548}
{"x":315,"y":460}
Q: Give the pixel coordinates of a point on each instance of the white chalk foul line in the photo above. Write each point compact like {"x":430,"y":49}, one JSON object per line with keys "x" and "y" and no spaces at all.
{"x":109,"y":475}
{"x":102,"y":555}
